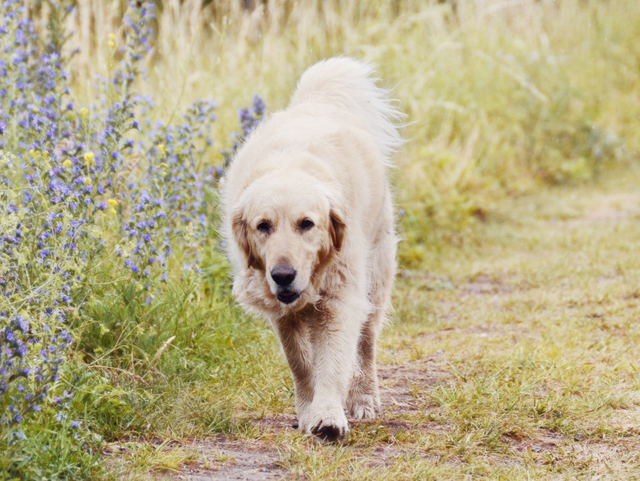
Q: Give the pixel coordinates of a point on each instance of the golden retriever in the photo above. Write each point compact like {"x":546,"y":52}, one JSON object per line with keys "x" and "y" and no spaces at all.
{"x":308,"y":218}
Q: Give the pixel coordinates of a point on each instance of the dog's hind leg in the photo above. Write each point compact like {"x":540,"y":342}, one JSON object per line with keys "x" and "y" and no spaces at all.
{"x":364,"y":400}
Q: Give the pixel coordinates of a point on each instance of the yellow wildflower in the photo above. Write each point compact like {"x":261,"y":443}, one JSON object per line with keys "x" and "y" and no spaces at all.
{"x":112,"y":211}
{"x":112,"y":36}
{"x":161,"y":148}
{"x":84,"y":112}
{"x":67,"y":163}
{"x":88,"y":181}
{"x":46,"y":154}
{"x":89,"y":157}
{"x":112,"y":203}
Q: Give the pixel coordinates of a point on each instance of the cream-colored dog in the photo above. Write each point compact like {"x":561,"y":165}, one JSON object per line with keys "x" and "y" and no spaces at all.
{"x":309,"y":224}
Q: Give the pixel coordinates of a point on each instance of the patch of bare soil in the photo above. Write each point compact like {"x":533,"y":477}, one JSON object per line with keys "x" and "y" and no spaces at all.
{"x":400,"y":382}
{"x":604,"y":457}
{"x":595,"y":457}
{"x":234,"y":460}
{"x":485,"y":285}
{"x":218,"y":459}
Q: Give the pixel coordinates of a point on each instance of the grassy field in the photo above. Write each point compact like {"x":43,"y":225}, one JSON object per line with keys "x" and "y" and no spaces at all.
{"x":512,"y":357}
{"x":513,"y":348}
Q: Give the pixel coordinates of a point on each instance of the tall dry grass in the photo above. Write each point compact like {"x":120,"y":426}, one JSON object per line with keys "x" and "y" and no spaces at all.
{"x":500,"y":95}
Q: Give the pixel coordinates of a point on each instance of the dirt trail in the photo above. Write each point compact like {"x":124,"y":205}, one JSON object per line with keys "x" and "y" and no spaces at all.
{"x":227,"y":459}
{"x":406,"y":384}
{"x":240,"y":460}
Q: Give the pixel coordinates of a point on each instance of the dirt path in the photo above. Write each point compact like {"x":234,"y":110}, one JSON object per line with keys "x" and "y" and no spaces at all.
{"x":222,"y":458}
{"x":516,"y":357}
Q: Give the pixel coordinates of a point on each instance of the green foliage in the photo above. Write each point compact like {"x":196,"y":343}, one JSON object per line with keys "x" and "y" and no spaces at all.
{"x":100,"y":272}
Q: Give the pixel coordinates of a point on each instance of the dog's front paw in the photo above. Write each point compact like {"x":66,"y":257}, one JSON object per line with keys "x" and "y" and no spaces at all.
{"x":363,"y":406}
{"x":329,"y":424}
{"x":330,"y":432}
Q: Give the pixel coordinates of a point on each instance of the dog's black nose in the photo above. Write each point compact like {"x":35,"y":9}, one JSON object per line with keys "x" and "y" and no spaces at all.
{"x":283,"y":275}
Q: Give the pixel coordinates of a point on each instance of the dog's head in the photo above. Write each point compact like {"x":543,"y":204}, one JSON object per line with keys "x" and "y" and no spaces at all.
{"x":288,"y":228}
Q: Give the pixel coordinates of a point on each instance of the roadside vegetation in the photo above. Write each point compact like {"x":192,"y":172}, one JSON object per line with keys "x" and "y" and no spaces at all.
{"x":513,"y":348}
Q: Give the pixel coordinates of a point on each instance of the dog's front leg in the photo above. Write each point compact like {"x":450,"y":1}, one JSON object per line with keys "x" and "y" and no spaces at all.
{"x":334,"y":339}
{"x":295,"y":338}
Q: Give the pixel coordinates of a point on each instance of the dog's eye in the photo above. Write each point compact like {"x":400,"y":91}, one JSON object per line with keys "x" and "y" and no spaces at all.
{"x":306,"y":224}
{"x":264,"y":226}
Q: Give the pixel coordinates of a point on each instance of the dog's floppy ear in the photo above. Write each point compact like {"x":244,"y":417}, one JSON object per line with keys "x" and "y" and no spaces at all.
{"x":336,"y":229}
{"x":240,"y":231}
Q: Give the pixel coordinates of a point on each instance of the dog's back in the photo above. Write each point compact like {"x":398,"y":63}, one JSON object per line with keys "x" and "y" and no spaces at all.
{"x":349,"y":84}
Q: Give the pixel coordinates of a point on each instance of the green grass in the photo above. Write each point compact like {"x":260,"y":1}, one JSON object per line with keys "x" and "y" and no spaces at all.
{"x":513,"y":349}
{"x":512,"y":356}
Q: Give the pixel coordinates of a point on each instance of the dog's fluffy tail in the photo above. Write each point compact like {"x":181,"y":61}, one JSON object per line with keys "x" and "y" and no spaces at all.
{"x":350,"y":84}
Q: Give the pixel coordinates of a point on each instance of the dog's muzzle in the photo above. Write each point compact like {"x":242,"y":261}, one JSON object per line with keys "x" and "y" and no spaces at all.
{"x":287,"y":297}
{"x":284,"y":276}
